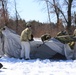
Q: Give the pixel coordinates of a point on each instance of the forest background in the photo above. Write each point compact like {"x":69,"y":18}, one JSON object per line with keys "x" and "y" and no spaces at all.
{"x":64,"y":11}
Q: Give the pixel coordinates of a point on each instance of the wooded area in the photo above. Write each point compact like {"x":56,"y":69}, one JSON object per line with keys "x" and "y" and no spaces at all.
{"x":63,"y":10}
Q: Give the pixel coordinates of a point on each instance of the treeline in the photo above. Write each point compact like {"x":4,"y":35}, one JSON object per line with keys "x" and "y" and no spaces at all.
{"x":38,"y":28}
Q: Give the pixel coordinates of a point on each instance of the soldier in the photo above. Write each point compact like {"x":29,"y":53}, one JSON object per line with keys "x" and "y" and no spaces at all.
{"x":64,"y":37}
{"x":45,"y":37}
{"x":25,"y":41}
{"x":61,"y":36}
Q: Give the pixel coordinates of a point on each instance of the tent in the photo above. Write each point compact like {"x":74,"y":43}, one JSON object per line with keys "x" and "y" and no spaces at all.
{"x":10,"y":45}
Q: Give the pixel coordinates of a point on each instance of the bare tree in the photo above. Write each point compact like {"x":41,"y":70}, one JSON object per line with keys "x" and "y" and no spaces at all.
{"x":66,"y":15}
{"x":4,"y":9}
{"x":48,"y":10}
{"x":56,"y":10}
{"x":16,"y":16}
{"x":69,"y":15}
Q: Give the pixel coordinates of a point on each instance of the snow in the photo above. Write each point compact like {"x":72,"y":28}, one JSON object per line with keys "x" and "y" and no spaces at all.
{"x":13,"y":66}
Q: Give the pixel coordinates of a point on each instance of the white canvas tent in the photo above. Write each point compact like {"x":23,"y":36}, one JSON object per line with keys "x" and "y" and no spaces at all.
{"x":10,"y":45}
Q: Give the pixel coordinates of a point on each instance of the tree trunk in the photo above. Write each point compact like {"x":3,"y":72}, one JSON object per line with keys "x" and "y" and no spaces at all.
{"x":69,"y":17}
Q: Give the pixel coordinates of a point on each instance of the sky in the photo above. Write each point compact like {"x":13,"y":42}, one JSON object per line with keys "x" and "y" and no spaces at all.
{"x":31,"y":10}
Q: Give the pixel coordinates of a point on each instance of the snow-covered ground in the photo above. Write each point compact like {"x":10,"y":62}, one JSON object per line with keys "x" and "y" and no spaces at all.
{"x":37,"y":67}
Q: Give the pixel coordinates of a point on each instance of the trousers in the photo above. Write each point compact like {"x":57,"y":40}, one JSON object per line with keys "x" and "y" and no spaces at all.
{"x":25,"y":52}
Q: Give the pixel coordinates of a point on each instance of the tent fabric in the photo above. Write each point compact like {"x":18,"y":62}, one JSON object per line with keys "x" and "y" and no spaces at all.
{"x":74,"y":51}
{"x":56,"y":45}
{"x":68,"y":52}
{"x":10,"y":45}
{"x":1,"y":47}
{"x":61,"y":48}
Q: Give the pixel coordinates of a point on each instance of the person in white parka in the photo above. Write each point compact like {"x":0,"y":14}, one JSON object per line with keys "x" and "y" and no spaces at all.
{"x":25,"y":41}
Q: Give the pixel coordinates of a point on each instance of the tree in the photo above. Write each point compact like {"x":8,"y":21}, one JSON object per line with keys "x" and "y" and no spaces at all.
{"x":48,"y":10}
{"x":59,"y":11}
{"x":16,"y":16}
{"x":65,"y":13}
{"x":56,"y":10}
{"x":4,"y":11}
{"x":69,"y":15}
